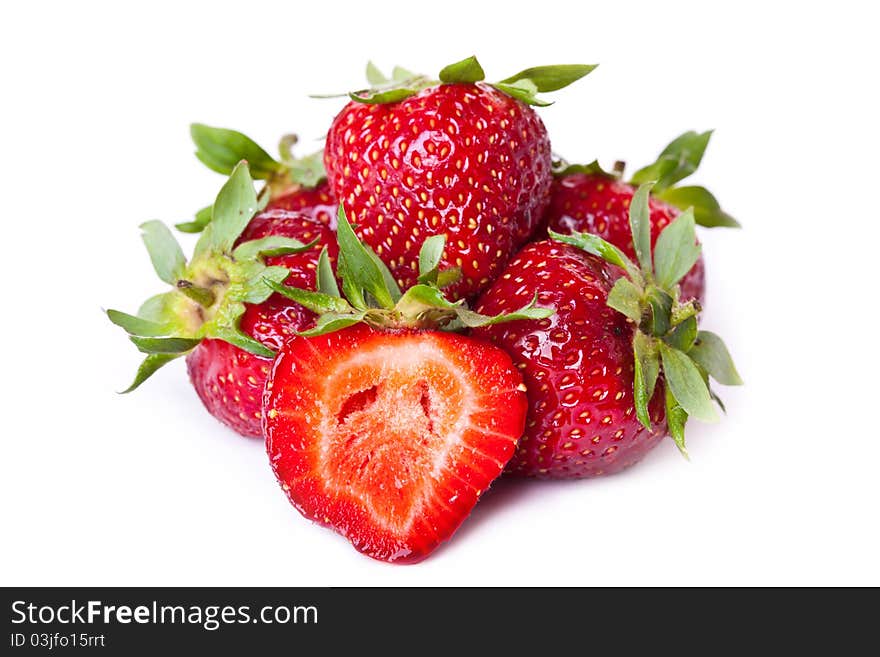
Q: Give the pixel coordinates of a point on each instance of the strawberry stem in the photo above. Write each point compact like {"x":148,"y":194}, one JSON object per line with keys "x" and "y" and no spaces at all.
{"x":201,"y":295}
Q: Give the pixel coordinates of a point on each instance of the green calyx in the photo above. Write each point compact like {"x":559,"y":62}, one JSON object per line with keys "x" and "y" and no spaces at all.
{"x":675,"y":163}
{"x":524,"y":86}
{"x":209,"y":292}
{"x":221,"y":150}
{"x":562,"y":168}
{"x":667,"y":339}
{"x":370,"y":294}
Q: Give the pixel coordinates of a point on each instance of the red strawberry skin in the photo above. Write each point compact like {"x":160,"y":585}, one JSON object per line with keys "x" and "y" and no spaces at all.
{"x":229,"y":380}
{"x":598,"y":204}
{"x":390,"y":438}
{"x":315,"y":202}
{"x":460,"y":159}
{"x":577,"y":365}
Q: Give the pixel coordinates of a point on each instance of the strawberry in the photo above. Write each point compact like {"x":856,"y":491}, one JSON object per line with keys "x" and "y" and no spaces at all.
{"x":578,"y":365}
{"x":412,"y":158}
{"x":316,"y":202}
{"x":378,"y":424}
{"x":221,"y":313}
{"x":403,"y":432}
{"x":230,"y":380}
{"x":588,"y":199}
{"x":296,"y":184}
{"x":622,"y":362}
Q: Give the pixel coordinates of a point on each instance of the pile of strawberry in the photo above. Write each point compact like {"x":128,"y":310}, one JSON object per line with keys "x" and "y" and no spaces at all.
{"x":433,"y":301}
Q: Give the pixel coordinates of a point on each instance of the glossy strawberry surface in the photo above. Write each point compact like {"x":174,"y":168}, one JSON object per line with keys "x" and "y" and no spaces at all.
{"x":461,"y":159}
{"x":229,"y":380}
{"x":577,"y":365}
{"x":315,"y":202}
{"x":599,"y":204}
{"x":391,"y":437}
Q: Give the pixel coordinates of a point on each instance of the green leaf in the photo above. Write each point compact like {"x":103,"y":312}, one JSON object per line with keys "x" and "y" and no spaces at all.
{"x":429,"y":258}
{"x":646,"y":369}
{"x":676,"y":418}
{"x":165,"y":253}
{"x":523,"y":90}
{"x":273,"y":245}
{"x":447,"y":277}
{"x":467,"y":71}
{"x":256,"y":290}
{"x":605,"y":250}
{"x":707,"y":210}
{"x":238,"y":339}
{"x":317,"y":302}
{"x":529,"y":311}
{"x":626,"y":298}
{"x":710,"y":353}
{"x":682,"y":311}
{"x":221,"y":150}
{"x":718,"y":401}
{"x":640,"y":225}
{"x":400,"y":74}
{"x":654,"y":172}
{"x":677,"y":161}
{"x":390,"y":283}
{"x":235,"y":206}
{"x":660,"y":304}
{"x":353,"y":292}
{"x":150,"y":345}
{"x":686,"y":384}
{"x":158,"y":308}
{"x":361,"y":268}
{"x":551,"y":78}
{"x":137,"y":325}
{"x":307,"y":171}
{"x":374,"y":76}
{"x":330,"y":322}
{"x":420,"y":298}
{"x":676,"y":250}
{"x":203,"y":218}
{"x":682,"y":336}
{"x":382,"y":97}
{"x":561,"y":168}
{"x":326,"y":281}
{"x":148,"y":367}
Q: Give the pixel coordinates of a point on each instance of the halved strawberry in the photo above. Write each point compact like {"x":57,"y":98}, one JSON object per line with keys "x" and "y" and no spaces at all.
{"x":378,"y":424}
{"x":390,"y":437}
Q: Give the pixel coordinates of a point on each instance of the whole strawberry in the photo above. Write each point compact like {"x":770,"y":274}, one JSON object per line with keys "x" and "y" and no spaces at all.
{"x":379,"y":423}
{"x":621,"y":363}
{"x":314,"y":202}
{"x":221,"y":312}
{"x":413,"y":157}
{"x":296,"y":184}
{"x":588,"y":199}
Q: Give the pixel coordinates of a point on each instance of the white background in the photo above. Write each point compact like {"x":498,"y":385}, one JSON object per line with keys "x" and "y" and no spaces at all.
{"x":103,"y":489}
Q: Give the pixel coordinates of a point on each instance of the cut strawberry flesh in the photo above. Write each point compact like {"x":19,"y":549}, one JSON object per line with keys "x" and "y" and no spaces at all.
{"x":391,"y":439}
{"x":387,"y":466}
